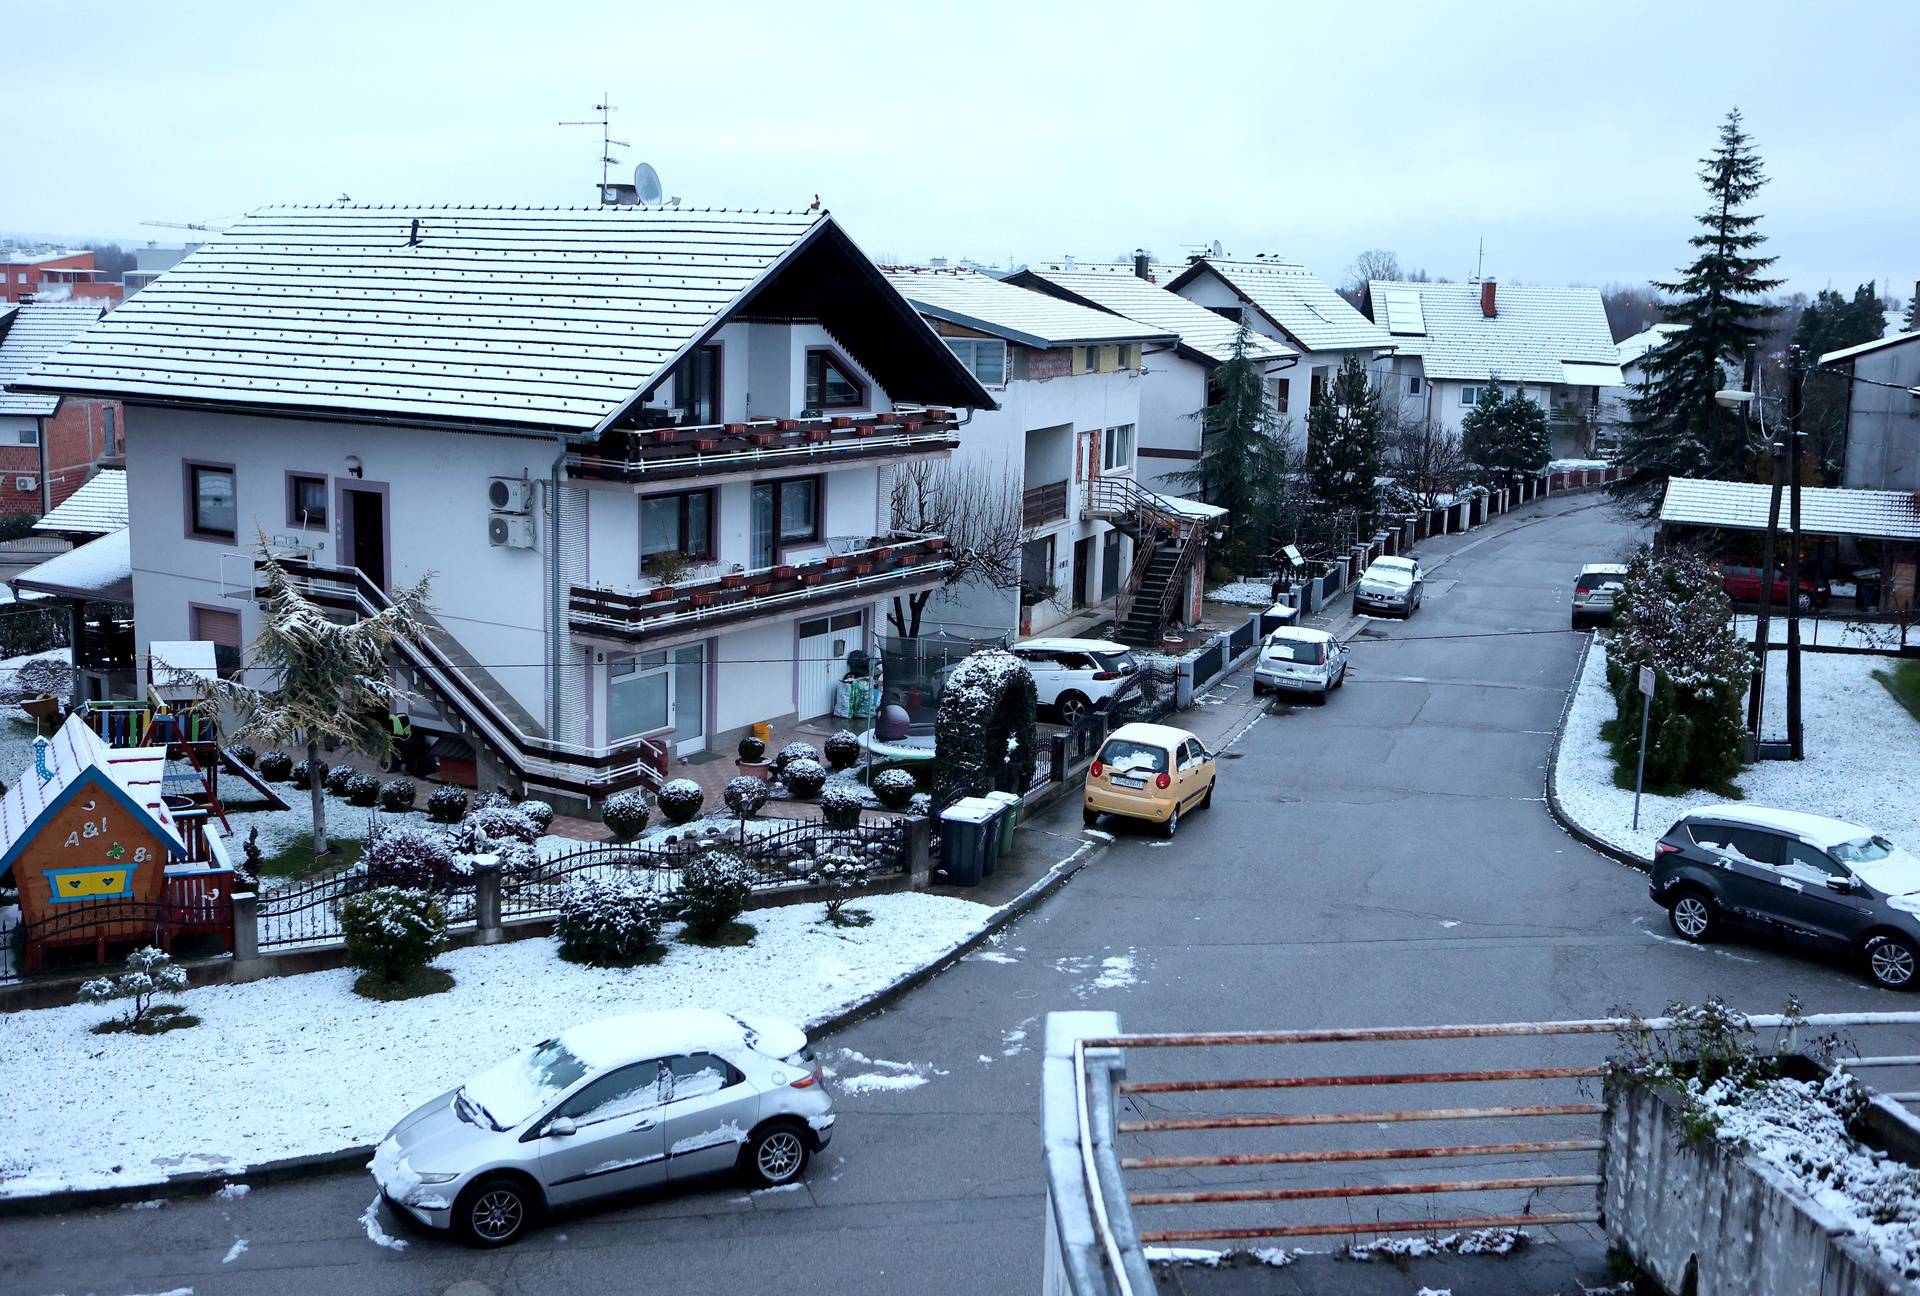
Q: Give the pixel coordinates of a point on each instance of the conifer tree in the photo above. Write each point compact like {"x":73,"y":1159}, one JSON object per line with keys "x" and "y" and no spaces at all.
{"x":1346,"y":446}
{"x":1244,"y":464}
{"x":1505,"y":433}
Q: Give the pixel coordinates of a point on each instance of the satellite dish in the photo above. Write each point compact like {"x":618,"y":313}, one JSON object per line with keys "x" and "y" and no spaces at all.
{"x":1216,"y":247}
{"x":646,"y":183}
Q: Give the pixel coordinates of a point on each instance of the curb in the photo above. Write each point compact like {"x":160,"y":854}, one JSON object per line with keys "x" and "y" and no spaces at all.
{"x":286,"y":1169}
{"x":1560,"y":816}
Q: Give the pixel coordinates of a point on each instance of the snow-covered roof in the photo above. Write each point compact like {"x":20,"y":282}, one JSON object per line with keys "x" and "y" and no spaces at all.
{"x":1824,"y":510}
{"x":1634,"y":349}
{"x":99,"y":571}
{"x":1021,"y":315}
{"x":1295,"y":299}
{"x":131,"y":773}
{"x":97,"y":508}
{"x":548,"y":318}
{"x":41,"y":258}
{"x":29,"y":333}
{"x":1538,"y":335}
{"x":1200,"y":330}
{"x":1848,"y":353}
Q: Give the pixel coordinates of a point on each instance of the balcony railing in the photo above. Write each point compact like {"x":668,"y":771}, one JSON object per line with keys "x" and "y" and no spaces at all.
{"x":1040,"y":505}
{"x":665,"y":453}
{"x":877,"y":566}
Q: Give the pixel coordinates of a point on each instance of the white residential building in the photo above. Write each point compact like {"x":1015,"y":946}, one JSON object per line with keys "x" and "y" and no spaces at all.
{"x":1451,"y":340}
{"x":638,"y":450}
{"x":1615,"y":411}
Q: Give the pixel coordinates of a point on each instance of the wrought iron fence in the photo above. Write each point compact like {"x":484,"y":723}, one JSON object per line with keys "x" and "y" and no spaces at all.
{"x":307,"y":915}
{"x":13,"y":945}
{"x":1155,"y":697}
{"x":97,"y":924}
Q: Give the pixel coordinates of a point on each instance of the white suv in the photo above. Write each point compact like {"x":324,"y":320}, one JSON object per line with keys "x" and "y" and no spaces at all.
{"x":1076,"y":677}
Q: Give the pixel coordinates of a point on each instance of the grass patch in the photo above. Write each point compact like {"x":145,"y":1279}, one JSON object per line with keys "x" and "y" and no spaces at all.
{"x":848,"y":918}
{"x":297,"y":861}
{"x":159,"y":1019}
{"x":1903,"y":681}
{"x":733,"y":933}
{"x":415,"y":985}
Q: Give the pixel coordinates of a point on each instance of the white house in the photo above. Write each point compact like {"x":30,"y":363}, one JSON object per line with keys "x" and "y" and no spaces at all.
{"x":638,"y":450}
{"x":1615,"y":412}
{"x":1450,"y":340}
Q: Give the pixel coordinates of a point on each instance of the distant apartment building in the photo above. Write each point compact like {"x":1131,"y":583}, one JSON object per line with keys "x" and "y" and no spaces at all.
{"x":55,"y":276}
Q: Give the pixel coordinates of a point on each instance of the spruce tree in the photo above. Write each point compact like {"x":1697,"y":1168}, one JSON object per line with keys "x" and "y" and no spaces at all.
{"x":1346,"y":446}
{"x":1244,"y":465}
{"x":1676,"y":428}
{"x":1506,"y":434}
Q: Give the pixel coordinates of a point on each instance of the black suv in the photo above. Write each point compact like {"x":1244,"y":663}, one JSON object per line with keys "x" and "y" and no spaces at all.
{"x":1820,"y":881}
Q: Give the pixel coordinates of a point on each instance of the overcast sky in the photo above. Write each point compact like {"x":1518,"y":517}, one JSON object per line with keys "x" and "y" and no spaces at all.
{"x":1566,"y":137}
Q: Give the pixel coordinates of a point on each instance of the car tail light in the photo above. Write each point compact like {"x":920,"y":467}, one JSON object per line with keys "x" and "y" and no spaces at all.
{"x":807,"y":1081}
{"x":1162,"y":781}
{"x":1666,"y":848}
{"x":1106,"y":675}
{"x":1097,"y":769}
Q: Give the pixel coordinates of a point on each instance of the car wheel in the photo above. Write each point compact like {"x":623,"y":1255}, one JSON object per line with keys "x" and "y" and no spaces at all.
{"x":494,"y":1212}
{"x":1340,"y":680}
{"x":1172,"y":825}
{"x":1258,"y":688}
{"x":1207,"y":800}
{"x":1074,"y":708}
{"x":1090,"y":817}
{"x":1692,"y":917}
{"x":776,"y":1155}
{"x":1892,"y":962}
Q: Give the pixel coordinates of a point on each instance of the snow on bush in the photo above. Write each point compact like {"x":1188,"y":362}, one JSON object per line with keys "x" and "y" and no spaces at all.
{"x":492,"y":801}
{"x":276,"y":767}
{"x":794,"y":751}
{"x":410,"y":856}
{"x":895,"y":788}
{"x":540,"y":812}
{"x":846,"y":876}
{"x":804,"y":777}
{"x":840,"y":806}
{"x":626,"y":814}
{"x":984,"y":729}
{"x":339,"y":777}
{"x":363,"y":789}
{"x":150,"y":973}
{"x":306,"y":771}
{"x":714,"y":890}
{"x":680,"y":800}
{"x":745,"y":795}
{"x":609,"y":922}
{"x":494,"y":823}
{"x":243,"y":753}
{"x":842,"y":749}
{"x":392,"y":932}
{"x":446,"y":804}
{"x":397,"y":795}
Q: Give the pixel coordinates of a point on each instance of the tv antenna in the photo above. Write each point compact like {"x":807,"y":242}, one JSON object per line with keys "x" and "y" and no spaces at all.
{"x":607,"y":142}
{"x":1480,"y":261}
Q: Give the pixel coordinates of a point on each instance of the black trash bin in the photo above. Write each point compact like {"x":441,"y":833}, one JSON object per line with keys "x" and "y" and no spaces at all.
{"x":967,"y":827}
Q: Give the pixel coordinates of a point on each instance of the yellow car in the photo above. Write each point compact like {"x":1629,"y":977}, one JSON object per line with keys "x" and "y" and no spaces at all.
{"x":1152,"y":772}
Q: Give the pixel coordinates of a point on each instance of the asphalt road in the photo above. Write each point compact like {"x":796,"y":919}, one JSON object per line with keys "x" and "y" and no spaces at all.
{"x":1386,"y":859}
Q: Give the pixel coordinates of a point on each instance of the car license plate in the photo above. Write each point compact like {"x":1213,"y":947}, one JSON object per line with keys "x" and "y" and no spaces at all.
{"x":1122,"y":781}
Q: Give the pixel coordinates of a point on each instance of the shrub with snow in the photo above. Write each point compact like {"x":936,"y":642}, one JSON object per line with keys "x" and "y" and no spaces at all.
{"x":518,"y":862}
{"x":392,"y":932}
{"x":363,"y":789}
{"x":609,"y":922}
{"x":243,"y":753}
{"x":843,"y":749}
{"x":397,"y":795}
{"x":895,"y":788}
{"x":305,"y":772}
{"x":714,"y":890}
{"x":500,"y":823}
{"x":847,"y":876}
{"x":804,"y":778}
{"x":539,"y":811}
{"x":339,"y":777}
{"x":680,"y":800}
{"x":984,"y":729}
{"x":446,"y":804}
{"x":493,"y":801}
{"x":626,"y":814}
{"x":410,"y":856}
{"x":752,"y":748}
{"x":276,"y":767}
{"x":840,"y":806}
{"x":745,"y":795}
{"x":150,"y":973}
{"x":793,"y":751}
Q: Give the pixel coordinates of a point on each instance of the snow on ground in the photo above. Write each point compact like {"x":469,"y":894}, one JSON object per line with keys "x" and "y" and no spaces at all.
{"x":1830,"y":630}
{"x":1243,"y":593}
{"x":1863,"y":757}
{"x":294,"y":1065}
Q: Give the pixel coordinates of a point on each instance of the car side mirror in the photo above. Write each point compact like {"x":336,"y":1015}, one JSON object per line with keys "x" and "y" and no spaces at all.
{"x":561,"y":1127}
{"x":1840,"y":884}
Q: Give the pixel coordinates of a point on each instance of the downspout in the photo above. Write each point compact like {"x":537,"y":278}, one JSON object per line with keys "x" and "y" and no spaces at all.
{"x":556,"y":605}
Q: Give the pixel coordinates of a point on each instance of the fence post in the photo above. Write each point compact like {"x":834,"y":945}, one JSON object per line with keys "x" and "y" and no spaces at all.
{"x":919,"y":831}
{"x":486,"y":904}
{"x":1057,"y":757}
{"x":1183,"y":684}
{"x":247,"y":964}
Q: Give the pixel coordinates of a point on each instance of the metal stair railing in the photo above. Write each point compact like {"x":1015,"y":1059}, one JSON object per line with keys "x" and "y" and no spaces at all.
{"x":1160,"y":523}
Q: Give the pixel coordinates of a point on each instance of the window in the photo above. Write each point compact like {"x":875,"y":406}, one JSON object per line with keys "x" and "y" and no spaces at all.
{"x":30,"y":436}
{"x":700,"y":1075}
{"x":624,"y":1092}
{"x":696,"y":387}
{"x":1036,"y":571}
{"x":1130,"y":355}
{"x":784,"y":513}
{"x":676,"y":524}
{"x":1318,"y":387}
{"x":1116,"y":454}
{"x":112,"y":427}
{"x":212,"y":513}
{"x":307,"y":501}
{"x":640,"y":695}
{"x":831,"y":384}
{"x":1469,"y":395}
{"x":1093,"y":359}
{"x":1282,"y":389}
{"x":26,"y":483}
{"x":1233,"y":313}
{"x":1122,"y":756}
{"x":1749,"y":844}
{"x":985,"y":358}
{"x":1413,"y":384}
{"x":1814,"y":858}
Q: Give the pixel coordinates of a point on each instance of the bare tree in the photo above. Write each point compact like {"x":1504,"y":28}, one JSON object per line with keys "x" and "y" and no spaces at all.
{"x":1425,"y":459}
{"x":1374,"y":263}
{"x":978,"y":510}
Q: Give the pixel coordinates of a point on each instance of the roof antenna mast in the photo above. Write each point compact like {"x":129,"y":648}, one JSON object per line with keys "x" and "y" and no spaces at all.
{"x":607,"y":142}
{"x":1480,"y":261}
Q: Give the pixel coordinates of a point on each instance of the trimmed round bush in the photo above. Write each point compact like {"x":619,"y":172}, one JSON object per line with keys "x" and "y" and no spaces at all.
{"x":397,"y":795}
{"x":243,"y":753}
{"x":794,"y":751}
{"x":305,"y":772}
{"x":843,"y":749}
{"x":363,"y":789}
{"x":446,"y":804}
{"x":539,"y":811}
{"x":339,"y":777}
{"x":276,"y":767}
{"x":895,"y":788}
{"x":518,"y":862}
{"x":493,"y":801}
{"x":751,"y":748}
{"x":502,"y":823}
{"x":626,"y":814}
{"x":714,"y":891}
{"x":804,"y":778}
{"x":840,"y":806}
{"x":680,"y":800}
{"x":417,"y":858}
{"x":745,"y":795}
{"x":392,"y":932}
{"x":610,"y":922}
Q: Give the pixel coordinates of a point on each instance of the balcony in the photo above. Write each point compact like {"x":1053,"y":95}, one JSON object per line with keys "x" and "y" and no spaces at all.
{"x":1040,"y":505}
{"x":663,"y":454}
{"x":864,"y":568}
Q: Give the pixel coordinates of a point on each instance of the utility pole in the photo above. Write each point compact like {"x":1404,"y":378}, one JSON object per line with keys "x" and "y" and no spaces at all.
{"x":1796,"y":450}
{"x":1757,"y":692}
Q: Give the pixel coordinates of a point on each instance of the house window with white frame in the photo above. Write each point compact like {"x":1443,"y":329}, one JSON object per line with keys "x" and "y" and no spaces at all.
{"x":1470,"y":395}
{"x":985,"y":358}
{"x":30,"y":436}
{"x":1116,"y":452}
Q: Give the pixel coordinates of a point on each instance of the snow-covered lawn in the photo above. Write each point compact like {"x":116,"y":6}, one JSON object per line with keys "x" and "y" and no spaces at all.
{"x":1243,"y":593}
{"x":1863,"y":757}
{"x":294,"y":1065}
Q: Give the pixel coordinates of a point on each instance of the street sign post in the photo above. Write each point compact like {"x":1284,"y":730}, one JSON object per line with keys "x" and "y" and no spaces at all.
{"x":1646,"y":715}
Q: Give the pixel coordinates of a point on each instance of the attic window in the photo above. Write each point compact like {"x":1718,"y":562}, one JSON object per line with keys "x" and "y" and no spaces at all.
{"x":831,"y":384}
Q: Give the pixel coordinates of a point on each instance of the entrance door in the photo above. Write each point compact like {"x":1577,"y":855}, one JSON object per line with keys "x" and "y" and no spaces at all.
{"x":363,"y":541}
{"x":824,"y":645}
{"x":1083,"y":572}
{"x":1110,"y":565}
{"x":658,"y":694}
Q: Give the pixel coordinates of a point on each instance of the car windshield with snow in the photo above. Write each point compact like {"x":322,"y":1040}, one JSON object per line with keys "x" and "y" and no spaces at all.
{"x":1390,"y":585}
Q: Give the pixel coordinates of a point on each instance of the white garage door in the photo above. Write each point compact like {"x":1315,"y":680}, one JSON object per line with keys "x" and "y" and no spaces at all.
{"x":824,"y":645}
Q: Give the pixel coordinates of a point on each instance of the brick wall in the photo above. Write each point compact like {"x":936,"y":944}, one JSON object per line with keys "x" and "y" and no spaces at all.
{"x":77,"y":439}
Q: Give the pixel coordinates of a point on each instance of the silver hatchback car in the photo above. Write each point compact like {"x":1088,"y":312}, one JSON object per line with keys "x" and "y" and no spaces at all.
{"x":604,"y":1108}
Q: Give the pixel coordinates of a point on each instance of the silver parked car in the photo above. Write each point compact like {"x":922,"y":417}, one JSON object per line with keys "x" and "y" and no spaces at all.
{"x":1594,"y":592}
{"x":608,"y":1107}
{"x":1295,"y":659}
{"x":1390,"y":585}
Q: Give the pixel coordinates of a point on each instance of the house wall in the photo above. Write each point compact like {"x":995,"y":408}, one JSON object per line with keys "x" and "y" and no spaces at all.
{"x":20,"y":460}
{"x":77,"y":439}
{"x":1172,"y":395}
{"x":1883,"y":425}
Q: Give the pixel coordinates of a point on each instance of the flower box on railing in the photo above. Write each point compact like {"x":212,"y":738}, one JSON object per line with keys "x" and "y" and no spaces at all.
{"x":812,"y":576}
{"x":842,"y":421}
{"x":660,"y":593}
{"x":783,"y":571}
{"x":659,"y":436}
{"x":733,"y":580}
{"x":935,"y":543}
{"x":860,"y":568}
{"x":838,"y":561}
{"x":762,"y":438}
{"x":736,"y":429}
{"x":787,"y":425}
{"x":815,"y":435}
{"x":700,"y":599}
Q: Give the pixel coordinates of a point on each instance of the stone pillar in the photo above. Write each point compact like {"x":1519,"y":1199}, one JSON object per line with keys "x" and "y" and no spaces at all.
{"x":247,"y":963}
{"x":920,"y":832}
{"x":486,"y":904}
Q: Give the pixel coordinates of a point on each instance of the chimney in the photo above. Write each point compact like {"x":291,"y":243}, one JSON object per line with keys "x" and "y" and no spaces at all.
{"x":1487,"y":308}
{"x":1141,"y":265}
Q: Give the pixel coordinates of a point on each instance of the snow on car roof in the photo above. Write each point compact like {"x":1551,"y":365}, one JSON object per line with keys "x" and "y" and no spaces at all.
{"x":1074,"y":645}
{"x":613,"y":1040}
{"x":1158,"y":735}
{"x":1404,"y":564}
{"x":1604,"y":569}
{"x":1818,"y":829}
{"x":1300,"y":634}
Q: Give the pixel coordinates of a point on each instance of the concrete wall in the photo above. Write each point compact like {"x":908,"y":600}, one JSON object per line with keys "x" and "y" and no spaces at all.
{"x":1883,"y":425}
{"x":1172,"y":395}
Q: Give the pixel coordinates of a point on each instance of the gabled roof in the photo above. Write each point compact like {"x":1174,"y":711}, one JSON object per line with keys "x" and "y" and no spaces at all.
{"x":1538,"y":335}
{"x":31,"y":332}
{"x":1634,"y":349}
{"x":1824,"y":510}
{"x":1848,"y":353}
{"x":1204,"y":334}
{"x":1017,"y":314}
{"x":1294,"y":300}
{"x":131,"y":775}
{"x":99,"y":571}
{"x":97,"y":508}
{"x":521,"y":318}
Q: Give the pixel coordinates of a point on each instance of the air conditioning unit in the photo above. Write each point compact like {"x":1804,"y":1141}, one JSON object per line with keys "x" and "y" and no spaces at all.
{"x":508,"y":531}
{"x":510,"y":495}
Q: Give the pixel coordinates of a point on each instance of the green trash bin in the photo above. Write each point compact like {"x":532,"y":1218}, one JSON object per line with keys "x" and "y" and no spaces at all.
{"x":1009,"y":806}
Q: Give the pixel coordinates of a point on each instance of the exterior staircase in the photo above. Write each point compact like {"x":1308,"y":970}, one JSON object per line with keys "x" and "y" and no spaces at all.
{"x":1167,"y":544}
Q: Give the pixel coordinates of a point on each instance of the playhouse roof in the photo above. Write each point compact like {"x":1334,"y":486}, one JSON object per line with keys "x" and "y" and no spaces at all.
{"x":133,"y":776}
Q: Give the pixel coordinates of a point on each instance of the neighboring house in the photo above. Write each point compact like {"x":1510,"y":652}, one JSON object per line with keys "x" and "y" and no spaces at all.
{"x":55,"y":276}
{"x":1175,"y":387}
{"x":1285,"y":301}
{"x":639,"y":450}
{"x":1883,"y":412}
{"x":1615,"y":408}
{"x":96,"y":509}
{"x":1451,"y":340}
{"x":49,"y":445}
{"x":150,"y":262}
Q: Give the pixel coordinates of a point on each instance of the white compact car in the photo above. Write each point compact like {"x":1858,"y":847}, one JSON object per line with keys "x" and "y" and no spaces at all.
{"x":1076,"y":677}
{"x":1298,"y":660}
{"x":612,"y":1106}
{"x":1390,"y":585}
{"x":1594,"y":592}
